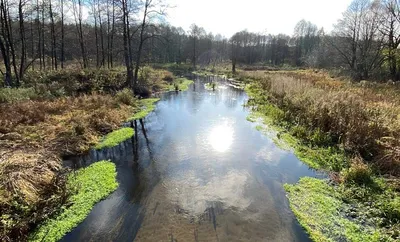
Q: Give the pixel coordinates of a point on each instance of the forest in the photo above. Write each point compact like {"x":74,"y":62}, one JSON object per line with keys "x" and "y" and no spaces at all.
{"x":84,"y":76}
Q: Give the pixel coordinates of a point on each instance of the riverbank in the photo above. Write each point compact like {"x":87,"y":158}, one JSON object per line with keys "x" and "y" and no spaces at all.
{"x":35,"y":135}
{"x":348,"y":130}
{"x":87,"y":186}
{"x":44,"y":121}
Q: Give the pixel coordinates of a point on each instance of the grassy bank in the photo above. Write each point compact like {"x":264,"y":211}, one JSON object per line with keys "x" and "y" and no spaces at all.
{"x":59,"y":114}
{"x":346,"y":129}
{"x":34,"y":135}
{"x":87,"y":186}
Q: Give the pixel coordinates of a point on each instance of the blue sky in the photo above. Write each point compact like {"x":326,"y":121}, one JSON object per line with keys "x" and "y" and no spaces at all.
{"x":229,"y":16}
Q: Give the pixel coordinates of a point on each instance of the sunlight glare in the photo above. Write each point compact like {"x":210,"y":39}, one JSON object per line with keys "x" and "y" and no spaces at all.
{"x":221,"y":137}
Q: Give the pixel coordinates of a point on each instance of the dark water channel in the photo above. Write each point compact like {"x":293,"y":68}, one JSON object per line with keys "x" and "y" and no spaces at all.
{"x":197,"y":170}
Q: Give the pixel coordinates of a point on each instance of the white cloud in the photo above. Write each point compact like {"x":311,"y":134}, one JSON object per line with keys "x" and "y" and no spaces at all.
{"x":193,"y":195}
{"x":227,"y":16}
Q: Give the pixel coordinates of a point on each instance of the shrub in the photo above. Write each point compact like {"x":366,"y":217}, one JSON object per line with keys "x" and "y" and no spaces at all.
{"x":168,"y":77}
{"x":12,"y":95}
{"x":125,"y":96}
{"x":392,"y":208}
{"x":358,"y":173}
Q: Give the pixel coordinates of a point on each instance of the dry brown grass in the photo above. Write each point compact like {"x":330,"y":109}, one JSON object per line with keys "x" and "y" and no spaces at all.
{"x":33,"y":137}
{"x":362,"y":120}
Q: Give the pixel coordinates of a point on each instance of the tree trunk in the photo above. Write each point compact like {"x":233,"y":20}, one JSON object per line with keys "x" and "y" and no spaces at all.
{"x":128,"y":65}
{"x":96,"y":36}
{"x":62,"y":35}
{"x":42,"y":33}
{"x":22,"y":37}
{"x":53,"y":39}
{"x":102,"y":62}
{"x":139,"y":53}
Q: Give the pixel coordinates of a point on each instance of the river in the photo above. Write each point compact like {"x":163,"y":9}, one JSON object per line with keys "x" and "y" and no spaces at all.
{"x":197,"y":170}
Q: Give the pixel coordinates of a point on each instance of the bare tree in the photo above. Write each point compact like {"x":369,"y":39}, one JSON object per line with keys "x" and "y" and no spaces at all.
{"x":53,"y":38}
{"x":78,"y":15}
{"x":356,"y":38}
{"x":390,"y":28}
{"x":62,"y":34}
{"x":152,"y":9}
{"x":195,"y":33}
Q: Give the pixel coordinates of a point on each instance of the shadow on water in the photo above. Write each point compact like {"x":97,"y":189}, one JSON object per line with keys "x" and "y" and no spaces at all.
{"x":196,"y":170}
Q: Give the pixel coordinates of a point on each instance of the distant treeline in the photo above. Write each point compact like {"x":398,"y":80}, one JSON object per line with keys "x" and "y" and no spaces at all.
{"x":51,"y":34}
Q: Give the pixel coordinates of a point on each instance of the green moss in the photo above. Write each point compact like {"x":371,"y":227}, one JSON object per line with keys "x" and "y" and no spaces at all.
{"x":319,"y":209}
{"x":146,"y":106}
{"x":180,"y":84}
{"x":89,"y":186}
{"x":116,"y":137}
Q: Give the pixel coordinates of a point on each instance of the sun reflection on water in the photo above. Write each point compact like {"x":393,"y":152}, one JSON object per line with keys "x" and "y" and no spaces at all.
{"x":221,"y":137}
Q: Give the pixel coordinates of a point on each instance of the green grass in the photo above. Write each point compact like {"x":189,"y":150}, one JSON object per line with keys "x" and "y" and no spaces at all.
{"x":89,"y":186}
{"x":116,"y":137}
{"x":320,"y":209}
{"x":180,"y":84}
{"x":146,"y":106}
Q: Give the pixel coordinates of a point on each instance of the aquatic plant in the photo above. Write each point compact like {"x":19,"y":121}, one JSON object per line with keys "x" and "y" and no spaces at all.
{"x":319,"y":209}
{"x":116,"y":137}
{"x":180,"y":84}
{"x":88,"y":186}
{"x":146,"y":106}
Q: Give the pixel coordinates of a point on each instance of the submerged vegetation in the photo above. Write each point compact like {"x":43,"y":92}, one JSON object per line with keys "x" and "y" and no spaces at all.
{"x":348,"y":130}
{"x":87,"y":186}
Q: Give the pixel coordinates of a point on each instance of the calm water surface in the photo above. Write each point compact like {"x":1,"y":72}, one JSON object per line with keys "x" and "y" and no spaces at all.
{"x":197,"y":170}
